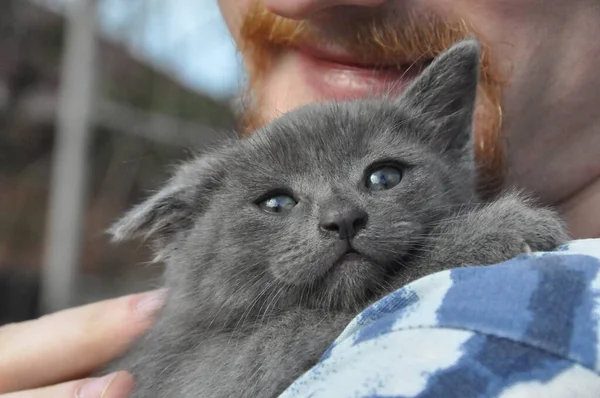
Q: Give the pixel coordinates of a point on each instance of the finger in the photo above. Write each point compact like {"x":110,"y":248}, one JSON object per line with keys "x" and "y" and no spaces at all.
{"x":73,"y":343}
{"x":114,"y":385}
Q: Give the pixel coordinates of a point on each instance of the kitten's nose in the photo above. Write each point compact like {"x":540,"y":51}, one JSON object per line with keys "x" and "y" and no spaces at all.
{"x":345,"y":222}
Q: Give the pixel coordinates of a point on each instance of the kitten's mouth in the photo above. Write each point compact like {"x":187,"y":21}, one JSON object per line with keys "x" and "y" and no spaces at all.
{"x":351,"y":255}
{"x":351,"y":280}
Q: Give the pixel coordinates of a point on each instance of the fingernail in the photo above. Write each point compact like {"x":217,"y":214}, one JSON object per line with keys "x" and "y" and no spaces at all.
{"x":149,"y":303}
{"x":97,"y":387}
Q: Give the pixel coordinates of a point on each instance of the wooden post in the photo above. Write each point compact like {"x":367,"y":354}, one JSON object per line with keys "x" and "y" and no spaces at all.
{"x":70,"y":166}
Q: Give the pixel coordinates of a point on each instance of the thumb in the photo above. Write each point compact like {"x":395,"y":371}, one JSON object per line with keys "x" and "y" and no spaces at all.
{"x":114,"y":385}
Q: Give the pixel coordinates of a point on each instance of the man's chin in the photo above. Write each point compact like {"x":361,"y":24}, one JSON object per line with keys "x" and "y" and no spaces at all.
{"x":274,"y":95}
{"x":317,"y":81}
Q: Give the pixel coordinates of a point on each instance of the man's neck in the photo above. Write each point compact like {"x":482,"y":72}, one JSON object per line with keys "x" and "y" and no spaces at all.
{"x":563,"y":170}
{"x":557,"y":158}
{"x":581,"y":211}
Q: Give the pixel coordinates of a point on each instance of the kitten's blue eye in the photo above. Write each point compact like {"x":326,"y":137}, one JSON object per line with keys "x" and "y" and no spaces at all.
{"x":383,"y":178}
{"x":278,"y":204}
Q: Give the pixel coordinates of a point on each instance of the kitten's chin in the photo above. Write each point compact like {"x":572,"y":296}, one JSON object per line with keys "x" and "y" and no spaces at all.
{"x":351,"y":283}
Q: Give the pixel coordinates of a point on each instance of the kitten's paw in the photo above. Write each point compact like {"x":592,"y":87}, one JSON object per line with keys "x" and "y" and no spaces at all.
{"x":513,"y":225}
{"x":525,"y":248}
{"x":497,"y":232}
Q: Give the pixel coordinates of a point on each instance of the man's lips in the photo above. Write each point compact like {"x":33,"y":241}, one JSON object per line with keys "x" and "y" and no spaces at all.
{"x":338,"y":75}
{"x":337,"y":55}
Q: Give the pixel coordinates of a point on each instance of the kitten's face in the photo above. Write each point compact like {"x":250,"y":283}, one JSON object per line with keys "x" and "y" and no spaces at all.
{"x":322,"y":205}
{"x":329,"y":208}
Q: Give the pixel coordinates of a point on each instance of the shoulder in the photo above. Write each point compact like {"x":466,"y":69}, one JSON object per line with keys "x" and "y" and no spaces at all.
{"x":526,"y":327}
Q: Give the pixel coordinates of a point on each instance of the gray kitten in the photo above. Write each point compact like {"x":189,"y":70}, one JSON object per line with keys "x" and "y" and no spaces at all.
{"x":275,"y":242}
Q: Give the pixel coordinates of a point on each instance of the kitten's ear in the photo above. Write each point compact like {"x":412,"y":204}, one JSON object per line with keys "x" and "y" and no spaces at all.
{"x":175,"y":206}
{"x":444,"y":95}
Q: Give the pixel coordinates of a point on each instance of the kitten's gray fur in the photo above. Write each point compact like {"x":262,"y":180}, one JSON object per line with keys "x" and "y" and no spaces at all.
{"x":255,"y":298}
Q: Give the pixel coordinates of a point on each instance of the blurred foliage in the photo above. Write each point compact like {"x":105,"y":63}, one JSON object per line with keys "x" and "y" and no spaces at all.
{"x":123,"y":167}
{"x":142,"y":87}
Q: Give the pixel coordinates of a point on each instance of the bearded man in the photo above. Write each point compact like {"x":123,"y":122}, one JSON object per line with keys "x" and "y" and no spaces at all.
{"x":537,"y":127}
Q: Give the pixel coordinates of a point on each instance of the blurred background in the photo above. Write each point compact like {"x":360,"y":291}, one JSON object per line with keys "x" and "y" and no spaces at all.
{"x":98,"y":98}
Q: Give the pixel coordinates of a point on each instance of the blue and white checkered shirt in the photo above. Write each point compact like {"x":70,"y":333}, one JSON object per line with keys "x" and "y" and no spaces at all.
{"x":526,"y":328}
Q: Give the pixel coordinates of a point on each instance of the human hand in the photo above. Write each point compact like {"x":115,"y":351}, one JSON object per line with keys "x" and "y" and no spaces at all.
{"x":51,"y":356}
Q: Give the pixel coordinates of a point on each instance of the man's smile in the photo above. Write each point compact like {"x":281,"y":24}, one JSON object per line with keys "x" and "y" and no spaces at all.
{"x":334,"y":74}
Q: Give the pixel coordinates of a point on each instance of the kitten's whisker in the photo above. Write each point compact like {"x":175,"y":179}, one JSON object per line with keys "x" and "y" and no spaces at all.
{"x":259,"y":297}
{"x":239,"y":288}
